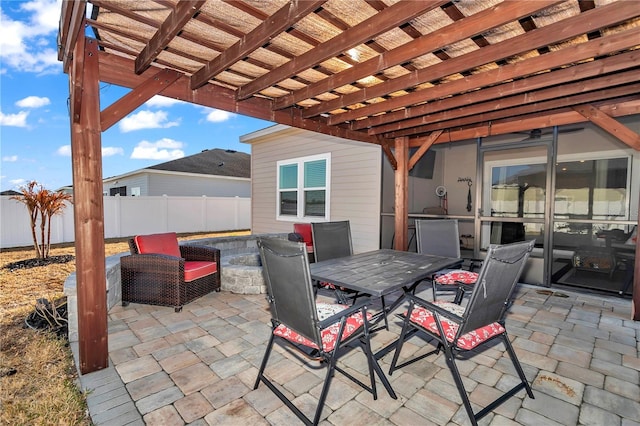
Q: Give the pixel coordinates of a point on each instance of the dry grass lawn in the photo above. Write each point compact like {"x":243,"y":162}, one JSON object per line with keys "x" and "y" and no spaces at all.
{"x":37,"y":373}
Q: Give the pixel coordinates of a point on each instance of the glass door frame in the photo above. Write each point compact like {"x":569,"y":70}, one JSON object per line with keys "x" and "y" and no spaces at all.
{"x":550,"y":144}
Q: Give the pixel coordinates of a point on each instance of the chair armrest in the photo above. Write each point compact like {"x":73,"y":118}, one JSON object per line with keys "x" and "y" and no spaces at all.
{"x":435,"y":308}
{"x":345,"y":313}
{"x":199,"y":252}
{"x":152,"y":264}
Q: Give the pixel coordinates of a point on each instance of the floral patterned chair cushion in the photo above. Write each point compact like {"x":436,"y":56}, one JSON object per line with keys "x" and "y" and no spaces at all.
{"x":457,"y":276}
{"x":329,"y":334}
{"x":468,"y":341}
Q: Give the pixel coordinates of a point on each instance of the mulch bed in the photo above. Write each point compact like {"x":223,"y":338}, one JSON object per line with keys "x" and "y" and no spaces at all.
{"x":36,"y":261}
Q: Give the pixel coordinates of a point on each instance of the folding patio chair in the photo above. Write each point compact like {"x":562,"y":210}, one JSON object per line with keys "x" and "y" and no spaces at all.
{"x":319,"y":331}
{"x":330,"y":241}
{"x":467,"y":330}
{"x":440,"y":237}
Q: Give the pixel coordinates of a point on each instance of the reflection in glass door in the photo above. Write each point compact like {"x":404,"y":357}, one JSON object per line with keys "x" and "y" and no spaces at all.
{"x":591,"y":222}
{"x":516,"y":178}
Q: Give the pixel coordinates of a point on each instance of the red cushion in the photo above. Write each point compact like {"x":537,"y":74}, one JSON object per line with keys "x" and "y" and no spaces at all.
{"x":304,"y":229}
{"x":194,"y":269}
{"x":158,"y":243}
{"x":424,"y":318}
{"x":457,"y":276}
{"x":329,"y":334}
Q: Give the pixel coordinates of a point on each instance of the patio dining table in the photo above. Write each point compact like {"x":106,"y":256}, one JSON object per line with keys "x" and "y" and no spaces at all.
{"x":380,"y":273}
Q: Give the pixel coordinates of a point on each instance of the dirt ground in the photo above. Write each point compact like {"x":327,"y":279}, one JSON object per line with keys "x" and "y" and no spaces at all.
{"x":37,"y":374}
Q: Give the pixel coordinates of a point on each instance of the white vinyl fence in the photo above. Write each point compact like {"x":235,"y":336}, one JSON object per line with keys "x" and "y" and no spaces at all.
{"x":128,"y":216}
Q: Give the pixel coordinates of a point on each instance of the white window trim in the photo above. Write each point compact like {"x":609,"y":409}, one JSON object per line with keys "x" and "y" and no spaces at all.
{"x":300,"y":161}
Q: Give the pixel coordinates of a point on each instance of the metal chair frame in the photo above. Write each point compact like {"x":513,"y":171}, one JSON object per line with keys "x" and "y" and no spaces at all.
{"x":440,"y":237}
{"x":330,"y":241}
{"x":292,"y":304}
{"x":489,"y":303}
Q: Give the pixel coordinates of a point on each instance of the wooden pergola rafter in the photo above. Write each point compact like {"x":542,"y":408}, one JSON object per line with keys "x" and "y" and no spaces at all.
{"x":396,"y":74}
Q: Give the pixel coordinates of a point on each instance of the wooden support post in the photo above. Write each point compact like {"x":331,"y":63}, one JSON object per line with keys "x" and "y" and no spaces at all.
{"x":88,"y":207}
{"x":635,"y":303}
{"x":401,"y":193}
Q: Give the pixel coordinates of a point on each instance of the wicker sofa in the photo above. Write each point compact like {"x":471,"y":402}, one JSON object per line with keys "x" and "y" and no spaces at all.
{"x":159,"y":271}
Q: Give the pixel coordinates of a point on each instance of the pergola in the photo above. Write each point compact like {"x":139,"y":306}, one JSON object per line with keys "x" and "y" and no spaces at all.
{"x":398,"y":74}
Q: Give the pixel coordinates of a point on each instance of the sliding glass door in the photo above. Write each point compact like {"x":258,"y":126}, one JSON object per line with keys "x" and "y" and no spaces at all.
{"x":575,"y":206}
{"x":517,"y":179}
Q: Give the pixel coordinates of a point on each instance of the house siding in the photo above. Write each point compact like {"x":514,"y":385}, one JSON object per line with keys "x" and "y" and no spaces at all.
{"x":152,"y":183}
{"x":194,"y":185}
{"x":139,"y":180}
{"x":355,"y":181}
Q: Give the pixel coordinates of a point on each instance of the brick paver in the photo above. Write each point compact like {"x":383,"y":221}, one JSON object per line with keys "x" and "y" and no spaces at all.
{"x":580,"y":354}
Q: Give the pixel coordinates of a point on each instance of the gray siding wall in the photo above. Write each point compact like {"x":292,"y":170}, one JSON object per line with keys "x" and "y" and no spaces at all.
{"x":140,"y":180}
{"x":355,"y":181}
{"x":196,"y":185}
{"x":182,"y":184}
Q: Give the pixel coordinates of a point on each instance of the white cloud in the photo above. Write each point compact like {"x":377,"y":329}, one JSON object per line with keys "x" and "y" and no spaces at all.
{"x":14,"y":120}
{"x":47,"y":13}
{"x":110,"y":151}
{"x":163,"y":149}
{"x":161,"y":101}
{"x":33,"y":102}
{"x":29,"y":45}
{"x":64,"y":151}
{"x":218,"y":116}
{"x":146,"y":120}
{"x":10,"y":158}
{"x":17,"y":183}
{"x":107,"y":151}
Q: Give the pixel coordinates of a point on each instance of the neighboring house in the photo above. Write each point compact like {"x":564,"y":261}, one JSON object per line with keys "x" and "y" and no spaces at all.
{"x":302,"y":176}
{"x":212,"y":173}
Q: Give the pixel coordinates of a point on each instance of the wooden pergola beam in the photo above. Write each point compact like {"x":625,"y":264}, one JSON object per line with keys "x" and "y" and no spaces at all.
{"x":138,"y":96}
{"x":429,"y":140}
{"x":88,"y":208}
{"x":610,"y":125}
{"x":465,"y":28}
{"x":474,"y":102}
{"x":117,"y":70}
{"x":170,"y":27}
{"x":528,"y":104}
{"x":617,"y":108}
{"x":553,"y":33}
{"x":71,"y":24}
{"x":379,"y":23}
{"x":572,"y":54}
{"x":284,"y":18}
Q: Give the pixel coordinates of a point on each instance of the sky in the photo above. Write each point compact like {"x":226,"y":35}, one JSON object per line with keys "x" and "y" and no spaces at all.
{"x":35,"y":139}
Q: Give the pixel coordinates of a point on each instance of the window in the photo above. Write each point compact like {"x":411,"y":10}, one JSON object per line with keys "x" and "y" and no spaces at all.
{"x":119,"y":190}
{"x":303,"y":188}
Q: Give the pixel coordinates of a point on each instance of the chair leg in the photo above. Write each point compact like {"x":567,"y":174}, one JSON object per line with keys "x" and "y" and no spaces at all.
{"x":267,"y":352}
{"x":331,"y":366}
{"x":366,"y":348}
{"x":401,"y":338}
{"x":450,"y":360}
{"x":516,"y":365}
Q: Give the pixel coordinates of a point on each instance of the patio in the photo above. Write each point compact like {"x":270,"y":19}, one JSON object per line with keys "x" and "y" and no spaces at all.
{"x":579,"y":351}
